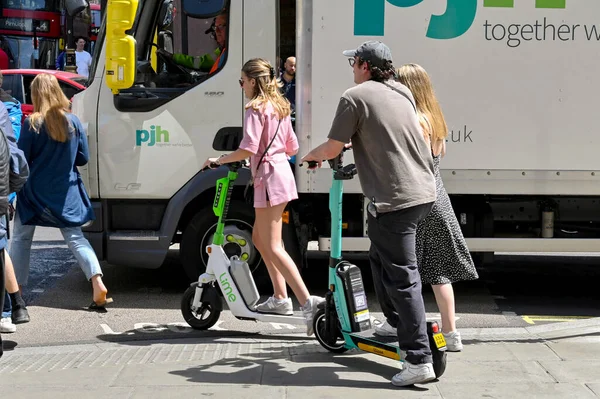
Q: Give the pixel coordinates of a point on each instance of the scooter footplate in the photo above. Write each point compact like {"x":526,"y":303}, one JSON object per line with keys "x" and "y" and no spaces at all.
{"x":370,"y":334}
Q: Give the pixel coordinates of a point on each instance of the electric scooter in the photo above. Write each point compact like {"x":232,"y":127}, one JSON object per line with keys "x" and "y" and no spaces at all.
{"x":343,"y":321}
{"x":201,"y":304}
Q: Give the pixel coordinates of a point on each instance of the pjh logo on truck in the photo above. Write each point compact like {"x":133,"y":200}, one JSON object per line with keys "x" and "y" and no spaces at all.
{"x":369,"y":20}
{"x":155,"y":135}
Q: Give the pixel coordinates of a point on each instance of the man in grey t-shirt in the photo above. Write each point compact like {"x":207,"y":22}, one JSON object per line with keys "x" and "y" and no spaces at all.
{"x":395,"y":168}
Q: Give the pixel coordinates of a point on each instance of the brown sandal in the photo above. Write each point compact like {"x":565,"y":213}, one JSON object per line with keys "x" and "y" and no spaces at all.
{"x":100,"y":306}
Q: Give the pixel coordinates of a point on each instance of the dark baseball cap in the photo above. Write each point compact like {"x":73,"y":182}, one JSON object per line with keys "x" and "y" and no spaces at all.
{"x":373,"y":51}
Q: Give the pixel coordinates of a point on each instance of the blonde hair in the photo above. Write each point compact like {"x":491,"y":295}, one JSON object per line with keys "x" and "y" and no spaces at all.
{"x":267,"y":87}
{"x":418,"y":82}
{"x":50,"y":106}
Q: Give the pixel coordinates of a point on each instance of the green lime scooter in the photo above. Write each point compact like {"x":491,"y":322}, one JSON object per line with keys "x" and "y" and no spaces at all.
{"x":343,"y":321}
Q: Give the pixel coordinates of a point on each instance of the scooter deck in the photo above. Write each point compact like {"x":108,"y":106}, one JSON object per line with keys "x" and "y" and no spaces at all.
{"x":382,"y":346}
{"x":370,"y":334}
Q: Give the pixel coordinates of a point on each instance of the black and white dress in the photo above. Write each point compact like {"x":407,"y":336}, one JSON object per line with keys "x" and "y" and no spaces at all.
{"x":442,"y":253}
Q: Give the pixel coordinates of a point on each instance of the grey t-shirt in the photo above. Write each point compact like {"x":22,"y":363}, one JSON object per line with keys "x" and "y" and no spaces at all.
{"x":393,"y":159}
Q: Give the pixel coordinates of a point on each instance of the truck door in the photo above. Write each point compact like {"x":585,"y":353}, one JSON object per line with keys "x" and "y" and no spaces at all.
{"x":154,"y":136}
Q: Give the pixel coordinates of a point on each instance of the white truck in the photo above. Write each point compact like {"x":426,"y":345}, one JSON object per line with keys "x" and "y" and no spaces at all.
{"x":516,"y":80}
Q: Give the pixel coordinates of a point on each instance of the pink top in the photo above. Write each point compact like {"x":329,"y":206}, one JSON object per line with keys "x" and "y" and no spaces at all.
{"x":274,"y":180}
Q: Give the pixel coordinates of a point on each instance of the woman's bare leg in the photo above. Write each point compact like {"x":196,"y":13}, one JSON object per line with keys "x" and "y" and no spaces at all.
{"x":279,"y":284}
{"x":269,"y":231}
{"x":444,"y":296}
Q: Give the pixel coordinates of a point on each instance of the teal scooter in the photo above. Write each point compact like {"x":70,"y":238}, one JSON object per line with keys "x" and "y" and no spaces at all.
{"x":343,"y":321}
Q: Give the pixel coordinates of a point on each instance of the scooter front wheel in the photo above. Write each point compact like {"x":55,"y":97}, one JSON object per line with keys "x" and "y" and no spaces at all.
{"x":206,"y":315}
{"x":329,"y":340}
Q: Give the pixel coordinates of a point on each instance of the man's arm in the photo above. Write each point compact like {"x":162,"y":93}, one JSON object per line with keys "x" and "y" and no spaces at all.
{"x":15,"y":116}
{"x":328,"y":150}
{"x":200,"y":62}
{"x":345,"y":124}
{"x":18,"y":163}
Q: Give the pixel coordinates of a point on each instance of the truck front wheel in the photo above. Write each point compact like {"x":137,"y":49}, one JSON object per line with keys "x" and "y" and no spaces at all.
{"x":238,"y":241}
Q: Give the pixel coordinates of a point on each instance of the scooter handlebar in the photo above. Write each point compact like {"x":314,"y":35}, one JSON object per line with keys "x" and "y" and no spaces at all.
{"x":338,"y":158}
{"x":233,"y":166}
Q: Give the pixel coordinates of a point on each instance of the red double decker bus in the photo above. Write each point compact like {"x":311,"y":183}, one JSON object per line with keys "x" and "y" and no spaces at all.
{"x":30,"y":31}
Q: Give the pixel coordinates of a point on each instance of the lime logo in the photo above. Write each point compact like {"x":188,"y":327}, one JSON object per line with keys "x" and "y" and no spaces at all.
{"x":369,"y":15}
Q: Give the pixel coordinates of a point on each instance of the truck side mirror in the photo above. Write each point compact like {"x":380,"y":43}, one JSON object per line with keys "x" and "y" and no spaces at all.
{"x":74,"y":7}
{"x":120,"y":46}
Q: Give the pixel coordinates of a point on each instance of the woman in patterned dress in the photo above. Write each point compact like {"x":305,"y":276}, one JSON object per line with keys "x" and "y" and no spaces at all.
{"x":442,"y":253}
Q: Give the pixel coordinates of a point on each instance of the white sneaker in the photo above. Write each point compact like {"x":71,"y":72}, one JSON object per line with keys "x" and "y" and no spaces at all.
{"x":309,"y":310}
{"x":453,"y":341}
{"x":276,"y":306}
{"x":7,"y":326}
{"x":413,"y":374}
{"x":385,"y":330}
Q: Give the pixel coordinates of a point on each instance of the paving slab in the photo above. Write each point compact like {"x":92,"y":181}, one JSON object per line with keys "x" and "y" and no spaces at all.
{"x":594,"y":387}
{"x":89,"y":392}
{"x":210,"y":391}
{"x":579,"y":349}
{"x":489,"y":372}
{"x":225,"y":371}
{"x":586,"y":372}
{"x":452,"y":390}
{"x":505,"y":351}
{"x":328,"y":371}
{"x":59,"y":377}
{"x":423,"y":391}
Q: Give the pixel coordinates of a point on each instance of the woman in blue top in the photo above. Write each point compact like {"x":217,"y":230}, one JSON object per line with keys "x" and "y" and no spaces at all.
{"x":55,"y":144}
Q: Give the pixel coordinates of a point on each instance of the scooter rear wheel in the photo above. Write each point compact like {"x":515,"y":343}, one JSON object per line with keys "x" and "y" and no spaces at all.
{"x":204,"y":317}
{"x":331,"y":343}
{"x":439,"y":361}
{"x":439,"y":356}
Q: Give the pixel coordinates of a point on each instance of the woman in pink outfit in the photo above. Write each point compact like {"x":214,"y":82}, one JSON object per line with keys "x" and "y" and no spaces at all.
{"x":269,"y":140}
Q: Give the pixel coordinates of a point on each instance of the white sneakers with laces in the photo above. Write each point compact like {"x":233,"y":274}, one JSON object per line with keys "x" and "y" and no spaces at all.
{"x":7,"y":326}
{"x":413,"y":374}
{"x":276,"y":306}
{"x":453,"y":339}
{"x":284,"y":307}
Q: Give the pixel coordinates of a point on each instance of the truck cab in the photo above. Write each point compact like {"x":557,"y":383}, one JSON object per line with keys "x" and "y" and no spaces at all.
{"x":149,"y":137}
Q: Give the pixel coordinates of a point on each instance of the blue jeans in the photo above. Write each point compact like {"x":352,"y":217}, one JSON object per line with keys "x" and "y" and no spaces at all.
{"x":20,"y":250}
{"x":7,"y":309}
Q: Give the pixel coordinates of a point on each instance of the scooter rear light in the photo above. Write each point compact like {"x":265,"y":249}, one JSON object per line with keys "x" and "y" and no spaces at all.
{"x":435,"y":328}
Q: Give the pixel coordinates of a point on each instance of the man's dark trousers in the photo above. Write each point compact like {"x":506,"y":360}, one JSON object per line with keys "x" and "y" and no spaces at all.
{"x":397,"y":280}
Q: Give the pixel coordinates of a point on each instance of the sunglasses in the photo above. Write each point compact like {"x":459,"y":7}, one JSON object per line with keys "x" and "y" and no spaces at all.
{"x":241,"y":83}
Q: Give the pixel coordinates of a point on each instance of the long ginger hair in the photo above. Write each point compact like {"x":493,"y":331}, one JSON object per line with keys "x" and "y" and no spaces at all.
{"x":50,"y":107}
{"x":418,"y":82}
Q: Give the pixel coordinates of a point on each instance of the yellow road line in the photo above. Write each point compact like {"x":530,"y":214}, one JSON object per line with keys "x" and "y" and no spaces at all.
{"x":532,"y":319}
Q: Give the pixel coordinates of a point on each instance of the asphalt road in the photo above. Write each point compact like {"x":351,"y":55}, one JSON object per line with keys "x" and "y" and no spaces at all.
{"x":513,"y":292}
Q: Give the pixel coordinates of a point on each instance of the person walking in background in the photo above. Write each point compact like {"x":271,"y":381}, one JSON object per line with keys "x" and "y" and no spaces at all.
{"x":14,"y":310}
{"x":55,"y":144}
{"x":19,"y":172}
{"x":442,"y":254}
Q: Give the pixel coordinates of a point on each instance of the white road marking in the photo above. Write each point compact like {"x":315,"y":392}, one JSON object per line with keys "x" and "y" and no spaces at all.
{"x":281,"y":326}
